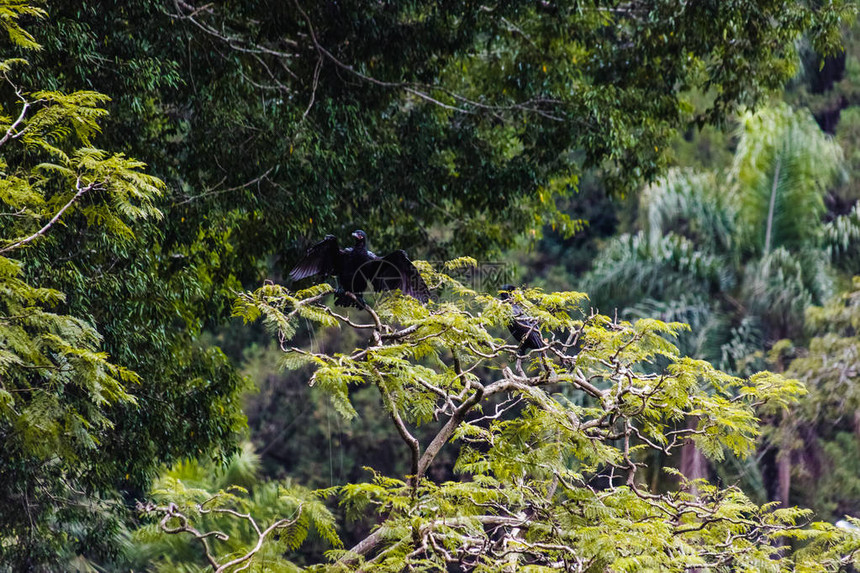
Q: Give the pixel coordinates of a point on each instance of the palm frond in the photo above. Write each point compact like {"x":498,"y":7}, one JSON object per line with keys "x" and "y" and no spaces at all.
{"x":633,"y":267}
{"x":781,"y":285}
{"x":694,"y":205}
{"x":841,"y":238}
{"x":741,"y":354}
{"x":709,"y":326}
{"x":783,"y":166}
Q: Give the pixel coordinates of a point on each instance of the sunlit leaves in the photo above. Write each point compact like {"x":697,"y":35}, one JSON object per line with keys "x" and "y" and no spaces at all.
{"x":60,"y":392}
{"x":10,"y":12}
{"x":205,"y":497}
{"x":605,"y":397}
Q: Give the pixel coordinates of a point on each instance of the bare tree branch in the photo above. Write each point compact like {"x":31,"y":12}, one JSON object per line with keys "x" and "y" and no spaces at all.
{"x":12,"y":132}
{"x":171,"y":511}
{"x":80,"y":192}
{"x":215,"y":191}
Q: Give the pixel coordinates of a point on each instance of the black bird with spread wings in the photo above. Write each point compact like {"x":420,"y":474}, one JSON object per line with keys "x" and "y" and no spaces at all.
{"x":523,"y":327}
{"x":356,"y":267}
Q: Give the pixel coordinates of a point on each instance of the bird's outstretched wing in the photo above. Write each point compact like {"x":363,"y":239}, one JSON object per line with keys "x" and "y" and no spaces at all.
{"x":395,"y":271}
{"x":319,"y":260}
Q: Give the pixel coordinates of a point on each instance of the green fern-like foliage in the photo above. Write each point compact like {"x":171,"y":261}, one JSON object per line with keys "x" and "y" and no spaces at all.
{"x":694,"y":205}
{"x":215,"y":498}
{"x":718,"y":248}
{"x":829,"y":364}
{"x":10,"y":12}
{"x":545,"y":481}
{"x":819,"y":437}
{"x":782,"y":166}
{"x":58,"y":390}
{"x":739,"y":254}
{"x":842,"y":237}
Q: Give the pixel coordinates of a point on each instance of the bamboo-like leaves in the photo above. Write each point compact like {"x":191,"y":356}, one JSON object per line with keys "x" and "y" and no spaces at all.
{"x":59,"y":390}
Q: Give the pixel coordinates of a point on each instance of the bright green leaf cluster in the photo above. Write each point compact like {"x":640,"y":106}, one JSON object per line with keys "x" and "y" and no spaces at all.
{"x":551,"y":444}
{"x":59,"y":392}
{"x":229,"y":520}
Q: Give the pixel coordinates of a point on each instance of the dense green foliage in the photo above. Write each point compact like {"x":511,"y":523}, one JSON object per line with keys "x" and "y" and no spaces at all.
{"x":741,"y":243}
{"x":546,"y":481}
{"x":739,"y":254}
{"x":828,"y":419}
{"x":292,"y":513}
{"x":414,"y":119}
{"x":59,"y":394}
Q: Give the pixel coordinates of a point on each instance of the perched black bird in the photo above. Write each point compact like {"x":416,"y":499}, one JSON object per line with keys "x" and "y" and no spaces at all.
{"x":356,"y":267}
{"x":523,"y":327}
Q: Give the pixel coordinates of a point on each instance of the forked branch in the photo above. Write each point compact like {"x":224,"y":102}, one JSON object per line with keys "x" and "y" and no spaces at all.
{"x":81,"y":190}
{"x":171,"y":513}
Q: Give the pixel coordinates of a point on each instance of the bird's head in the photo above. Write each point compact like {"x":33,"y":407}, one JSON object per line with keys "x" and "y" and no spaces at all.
{"x":505,"y":291}
{"x":359,"y":236}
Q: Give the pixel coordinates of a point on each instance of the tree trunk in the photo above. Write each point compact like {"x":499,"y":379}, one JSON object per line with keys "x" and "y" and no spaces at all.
{"x":857,"y":424}
{"x":693,"y":463}
{"x":783,"y":468}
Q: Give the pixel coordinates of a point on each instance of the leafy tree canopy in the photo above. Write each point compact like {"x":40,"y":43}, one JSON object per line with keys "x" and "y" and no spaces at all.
{"x":741,"y":252}
{"x":70,"y":414}
{"x":445,"y":127}
{"x":828,"y":418}
{"x":415,"y":119}
{"x":551,"y":445}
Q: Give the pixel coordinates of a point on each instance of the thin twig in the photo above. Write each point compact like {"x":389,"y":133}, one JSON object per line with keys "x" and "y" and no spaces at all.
{"x":215,"y":191}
